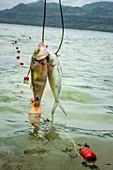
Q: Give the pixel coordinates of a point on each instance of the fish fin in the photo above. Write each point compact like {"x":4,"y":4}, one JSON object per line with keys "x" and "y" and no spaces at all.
{"x":29,"y":71}
{"x":48,"y":67}
{"x":55,"y":106}
{"x":62,"y":108}
{"x":45,"y":88}
{"x":35,"y":109}
{"x":31,"y":87}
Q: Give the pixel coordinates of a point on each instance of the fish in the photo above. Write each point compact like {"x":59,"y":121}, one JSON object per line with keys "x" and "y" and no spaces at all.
{"x":38,"y":69}
{"x":55,"y":79}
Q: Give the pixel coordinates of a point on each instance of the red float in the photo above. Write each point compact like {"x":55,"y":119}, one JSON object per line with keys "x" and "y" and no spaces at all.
{"x":21,"y":63}
{"x":18,"y":51}
{"x":29,"y":37}
{"x":15,"y":42}
{"x":26,"y":78}
{"x":16,"y":47}
{"x":32,"y":99}
{"x":88,"y":155}
{"x":18,"y":57}
{"x":19,"y":39}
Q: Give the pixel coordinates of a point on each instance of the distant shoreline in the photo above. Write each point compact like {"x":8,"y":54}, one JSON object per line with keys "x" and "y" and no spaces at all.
{"x":55,"y":27}
{"x":96,"y":16}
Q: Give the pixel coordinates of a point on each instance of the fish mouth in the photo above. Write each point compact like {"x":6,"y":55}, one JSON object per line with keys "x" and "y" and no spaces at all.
{"x":41,"y":52}
{"x":40,"y":57}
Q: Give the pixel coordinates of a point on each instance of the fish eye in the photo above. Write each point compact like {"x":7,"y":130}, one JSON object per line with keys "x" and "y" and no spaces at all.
{"x":38,"y":52}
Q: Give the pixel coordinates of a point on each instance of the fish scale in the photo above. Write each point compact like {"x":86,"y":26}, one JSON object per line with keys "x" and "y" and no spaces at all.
{"x":38,"y":76}
{"x":55,"y":79}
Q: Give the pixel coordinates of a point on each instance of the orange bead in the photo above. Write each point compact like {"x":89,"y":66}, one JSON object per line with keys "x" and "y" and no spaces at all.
{"x":32,"y":99}
{"x":18,"y":51}
{"x":26,"y":78}
{"x":18,"y":57}
{"x":21,"y":63}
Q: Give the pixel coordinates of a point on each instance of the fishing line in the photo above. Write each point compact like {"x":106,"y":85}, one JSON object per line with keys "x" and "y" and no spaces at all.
{"x":62,"y":28}
{"x":21,"y":70}
{"x":68,"y":137}
{"x":44,"y":21}
{"x":73,"y":142}
{"x":62,"y":25}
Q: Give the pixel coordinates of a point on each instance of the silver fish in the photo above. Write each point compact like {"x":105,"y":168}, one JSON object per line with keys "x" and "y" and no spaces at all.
{"x":55,"y":78}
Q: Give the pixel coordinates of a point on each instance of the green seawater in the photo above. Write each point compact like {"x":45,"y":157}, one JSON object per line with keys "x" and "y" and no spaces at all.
{"x":86,"y":59}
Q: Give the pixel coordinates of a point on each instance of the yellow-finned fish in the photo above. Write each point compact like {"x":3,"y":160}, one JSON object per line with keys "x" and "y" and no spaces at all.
{"x":55,"y":78}
{"x":38,"y":68}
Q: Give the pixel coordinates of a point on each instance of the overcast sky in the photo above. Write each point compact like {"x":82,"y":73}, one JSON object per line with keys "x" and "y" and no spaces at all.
{"x":11,"y":3}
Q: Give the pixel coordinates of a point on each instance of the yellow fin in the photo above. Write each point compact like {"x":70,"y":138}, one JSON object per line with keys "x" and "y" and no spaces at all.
{"x":35,"y":109}
{"x":29,"y":71}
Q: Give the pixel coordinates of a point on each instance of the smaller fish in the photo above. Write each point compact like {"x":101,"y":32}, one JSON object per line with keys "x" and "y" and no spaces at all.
{"x":55,"y":78}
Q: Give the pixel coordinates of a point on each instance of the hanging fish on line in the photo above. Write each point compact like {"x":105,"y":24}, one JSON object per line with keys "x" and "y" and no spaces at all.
{"x":38,"y":68}
{"x":55,"y":78}
{"x":45,"y":63}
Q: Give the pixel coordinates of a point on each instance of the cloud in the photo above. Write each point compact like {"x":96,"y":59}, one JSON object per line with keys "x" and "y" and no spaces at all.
{"x":11,"y":3}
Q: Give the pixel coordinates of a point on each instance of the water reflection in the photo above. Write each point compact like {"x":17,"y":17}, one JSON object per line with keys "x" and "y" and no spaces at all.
{"x":35,"y":151}
{"x":42,"y":140}
{"x":34,"y":119}
{"x":41,"y":133}
{"x":46,"y":148}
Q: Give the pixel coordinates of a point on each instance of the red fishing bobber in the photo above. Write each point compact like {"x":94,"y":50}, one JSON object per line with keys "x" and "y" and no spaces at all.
{"x":32,"y":99}
{"x":18,"y":51}
{"x":21,"y":63}
{"x":18,"y":57}
{"x":26,"y":79}
{"x":29,"y":37}
{"x":17,"y":48}
{"x":19,"y":39}
{"x":15,"y":42}
{"x":87,"y":154}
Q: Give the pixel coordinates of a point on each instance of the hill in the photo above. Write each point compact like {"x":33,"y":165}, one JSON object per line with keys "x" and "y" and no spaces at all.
{"x":95,"y":16}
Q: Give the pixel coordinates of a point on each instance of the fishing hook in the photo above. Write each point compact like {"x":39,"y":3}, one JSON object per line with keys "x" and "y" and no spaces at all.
{"x":62,"y":27}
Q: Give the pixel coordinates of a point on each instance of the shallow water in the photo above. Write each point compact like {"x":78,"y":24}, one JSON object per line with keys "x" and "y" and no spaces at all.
{"x":87,"y":96}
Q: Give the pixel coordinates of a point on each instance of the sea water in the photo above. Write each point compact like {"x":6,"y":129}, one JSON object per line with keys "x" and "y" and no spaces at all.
{"x":86,"y":59}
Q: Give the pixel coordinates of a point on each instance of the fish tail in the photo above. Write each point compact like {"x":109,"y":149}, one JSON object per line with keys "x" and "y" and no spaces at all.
{"x":55,"y":106}
{"x":45,"y":89}
{"x":62,"y":108}
{"x":35,"y":109}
